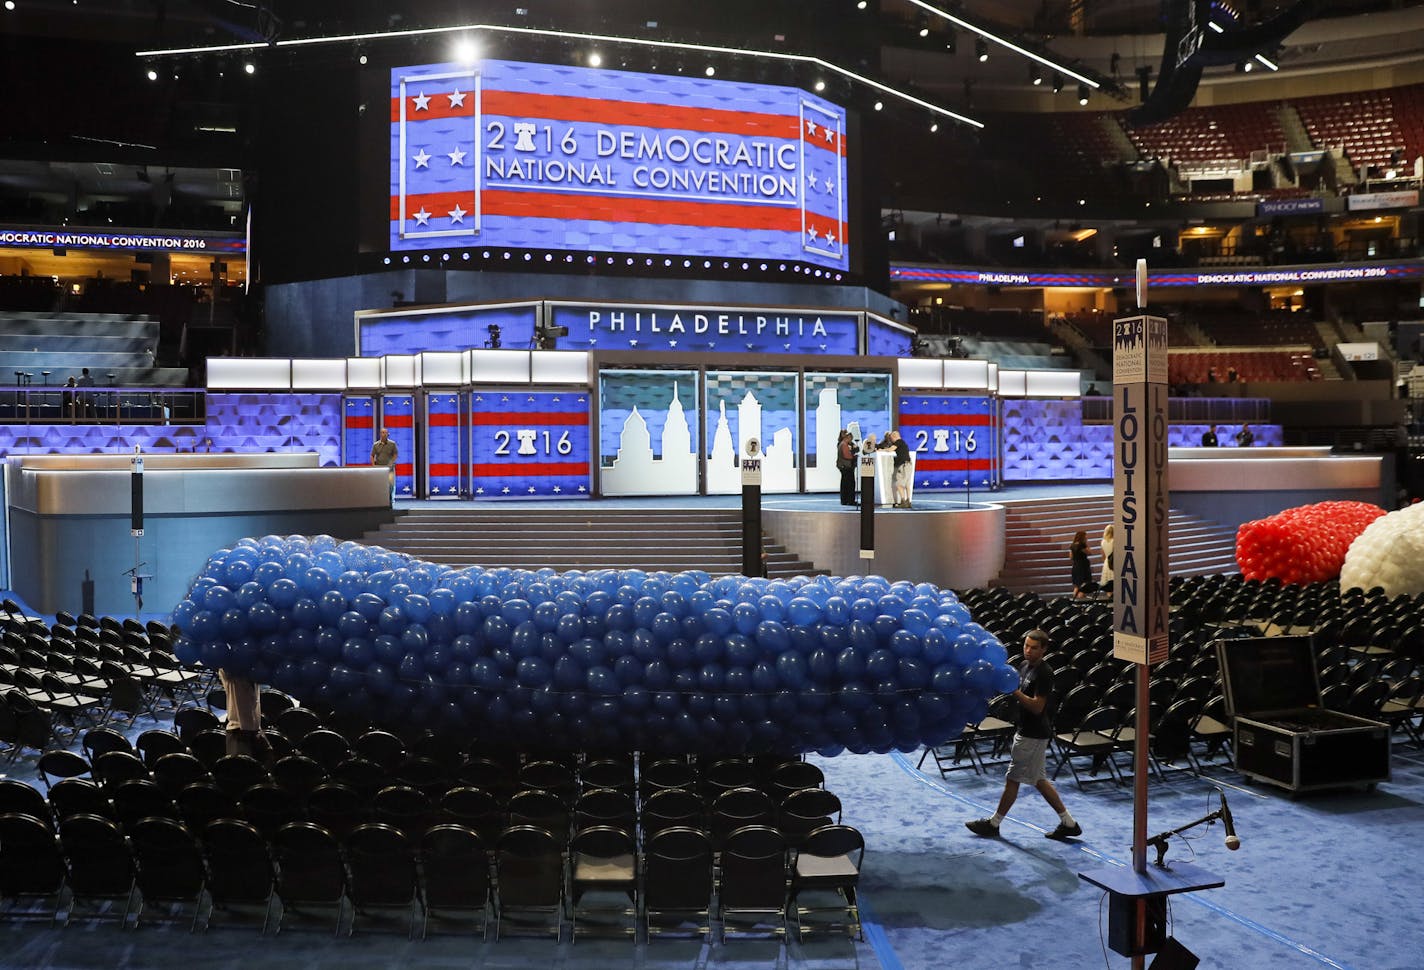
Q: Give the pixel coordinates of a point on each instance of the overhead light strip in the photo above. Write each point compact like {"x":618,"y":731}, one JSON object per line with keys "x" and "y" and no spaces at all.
{"x":805,"y":59}
{"x":1022,"y":51}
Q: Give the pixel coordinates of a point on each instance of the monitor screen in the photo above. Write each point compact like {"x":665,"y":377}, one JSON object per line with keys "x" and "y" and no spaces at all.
{"x":548,"y":157}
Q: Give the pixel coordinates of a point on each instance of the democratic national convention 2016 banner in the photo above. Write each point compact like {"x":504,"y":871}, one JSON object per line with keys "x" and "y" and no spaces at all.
{"x":554,"y":157}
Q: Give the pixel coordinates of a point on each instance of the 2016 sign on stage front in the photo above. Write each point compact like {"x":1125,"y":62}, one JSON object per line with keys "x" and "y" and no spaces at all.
{"x":526,"y":444}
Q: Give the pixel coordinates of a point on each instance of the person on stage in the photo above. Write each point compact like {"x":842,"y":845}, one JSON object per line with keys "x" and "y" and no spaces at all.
{"x":845,"y":464}
{"x":1208,"y":438}
{"x":1037,"y":697}
{"x":384,"y":452}
{"x":1082,"y":569}
{"x":1245,"y":438}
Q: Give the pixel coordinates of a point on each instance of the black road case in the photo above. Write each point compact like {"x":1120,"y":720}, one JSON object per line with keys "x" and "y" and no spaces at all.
{"x":1283,"y":735}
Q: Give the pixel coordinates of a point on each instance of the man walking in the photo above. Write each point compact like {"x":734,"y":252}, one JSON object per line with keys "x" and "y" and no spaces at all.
{"x":1036,"y":697}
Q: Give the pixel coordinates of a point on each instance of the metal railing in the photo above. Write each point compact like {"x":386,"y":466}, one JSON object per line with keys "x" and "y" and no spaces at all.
{"x":61,"y":405}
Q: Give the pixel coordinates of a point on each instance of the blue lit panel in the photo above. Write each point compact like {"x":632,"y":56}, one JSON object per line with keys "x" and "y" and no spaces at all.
{"x":742,"y":405}
{"x":360,"y":425}
{"x":467,"y":328}
{"x":885,"y":340}
{"x":648,"y":431}
{"x":442,"y":445}
{"x":525,"y":444}
{"x":247,"y":423}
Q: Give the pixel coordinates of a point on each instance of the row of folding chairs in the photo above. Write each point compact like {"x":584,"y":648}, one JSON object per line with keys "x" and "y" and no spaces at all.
{"x":601,"y":881}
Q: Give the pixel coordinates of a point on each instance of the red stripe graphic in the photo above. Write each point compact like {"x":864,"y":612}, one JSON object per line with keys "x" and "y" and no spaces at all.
{"x":953,"y":465}
{"x":404,"y":470}
{"x":491,"y":469}
{"x":444,"y":470}
{"x":438,"y":420}
{"x":947,"y":420}
{"x":398,"y":420}
{"x":626,"y":114}
{"x":359,"y":421}
{"x":559,"y":205}
{"x":528,"y":417}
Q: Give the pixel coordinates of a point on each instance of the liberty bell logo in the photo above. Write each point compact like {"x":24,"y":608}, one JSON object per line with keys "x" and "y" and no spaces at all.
{"x":524,"y":136}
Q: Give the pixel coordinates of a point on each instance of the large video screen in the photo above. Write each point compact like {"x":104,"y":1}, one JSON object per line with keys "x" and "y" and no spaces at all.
{"x":554,"y":157}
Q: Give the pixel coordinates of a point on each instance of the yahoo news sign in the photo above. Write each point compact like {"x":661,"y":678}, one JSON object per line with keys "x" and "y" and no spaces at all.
{"x":1140,"y":495}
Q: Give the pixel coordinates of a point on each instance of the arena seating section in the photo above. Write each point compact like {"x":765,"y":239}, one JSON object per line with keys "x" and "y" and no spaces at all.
{"x":1221,"y":136}
{"x":1369,"y":125}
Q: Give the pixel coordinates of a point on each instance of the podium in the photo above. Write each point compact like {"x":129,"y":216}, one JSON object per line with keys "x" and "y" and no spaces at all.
{"x":1125,"y":887}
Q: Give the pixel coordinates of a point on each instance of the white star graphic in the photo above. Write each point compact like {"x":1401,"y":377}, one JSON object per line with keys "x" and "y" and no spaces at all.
{"x":531,"y":489}
{"x":555,"y":400}
{"x":786,"y":347}
{"x":583,"y":488}
{"x":504,"y":400}
{"x":557,"y":489}
{"x":480,"y":490}
{"x":812,"y":234}
{"x":810,"y":126}
{"x":823,"y":348}
{"x":672,"y":343}
{"x":830,"y":189}
{"x":529,"y":399}
{"x":479,"y":398}
{"x":422,"y":159}
{"x":457,"y":214}
{"x":457,"y":157}
{"x":830,"y":135}
{"x":581,"y":400}
{"x":435,"y":490}
{"x":422,"y":101}
{"x":592,"y":341}
{"x":504,"y":491}
{"x":457,"y":99}
{"x":422,"y":218}
{"x":831,"y":236}
{"x":632,"y":343}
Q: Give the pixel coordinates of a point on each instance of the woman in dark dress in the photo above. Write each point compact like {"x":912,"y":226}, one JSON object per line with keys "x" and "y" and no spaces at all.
{"x":845,"y":464}
{"x":1083,"y":584}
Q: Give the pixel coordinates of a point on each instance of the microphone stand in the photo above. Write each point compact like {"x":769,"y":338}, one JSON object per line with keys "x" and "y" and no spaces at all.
{"x":1159,"y":842}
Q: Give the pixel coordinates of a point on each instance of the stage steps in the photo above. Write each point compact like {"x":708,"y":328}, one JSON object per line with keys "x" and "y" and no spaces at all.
{"x":1038,"y":531}
{"x":596,"y":537}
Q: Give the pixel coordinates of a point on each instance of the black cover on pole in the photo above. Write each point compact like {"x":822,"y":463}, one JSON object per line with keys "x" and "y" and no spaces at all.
{"x":751,"y":530}
{"x":867,"y":506}
{"x":136,"y":503}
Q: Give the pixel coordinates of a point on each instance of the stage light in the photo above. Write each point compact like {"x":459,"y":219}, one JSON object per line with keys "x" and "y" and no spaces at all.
{"x":711,"y":71}
{"x":386,"y":261}
{"x":924,"y":26}
{"x":934,"y":126}
{"x":465,"y":52}
{"x":425,"y":258}
{"x":1035,"y":73}
{"x":879,"y":105}
{"x":861,"y":5}
{"x":444,"y":257}
{"x":9,"y":4}
{"x":820,"y":85}
{"x":465,"y":257}
{"x":1082,"y":94}
{"x":528,"y":257}
{"x":1244,"y":66}
{"x":152,"y":74}
{"x":362,"y":59}
{"x":1057,"y":83}
{"x":1216,"y":26}
{"x":405,"y":259}
{"x":548,"y":257}
{"x":981,"y":50}
{"x":595,"y":59}
{"x":1266,"y":62}
{"x":250,"y":68}
{"x":494,"y":336}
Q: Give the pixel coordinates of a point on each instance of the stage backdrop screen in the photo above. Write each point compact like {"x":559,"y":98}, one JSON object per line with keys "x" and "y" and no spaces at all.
{"x":554,"y":157}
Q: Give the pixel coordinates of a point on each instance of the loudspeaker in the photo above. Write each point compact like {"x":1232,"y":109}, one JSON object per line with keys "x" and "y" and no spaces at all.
{"x":1174,"y":956}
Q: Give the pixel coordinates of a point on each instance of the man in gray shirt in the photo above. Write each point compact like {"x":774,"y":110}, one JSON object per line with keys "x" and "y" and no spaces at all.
{"x":384,"y":452}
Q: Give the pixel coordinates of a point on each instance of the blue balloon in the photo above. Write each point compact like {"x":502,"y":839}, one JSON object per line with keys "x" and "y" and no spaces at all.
{"x":803,"y":611}
{"x":771,"y":636}
{"x":1006,"y":679}
{"x":965,"y":649}
{"x":903,"y":643}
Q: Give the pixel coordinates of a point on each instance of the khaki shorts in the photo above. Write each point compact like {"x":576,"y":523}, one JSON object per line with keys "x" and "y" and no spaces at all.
{"x":1026,"y":760}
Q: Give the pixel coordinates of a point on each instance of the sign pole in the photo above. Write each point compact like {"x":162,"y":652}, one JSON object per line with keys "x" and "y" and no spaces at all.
{"x":867,"y":505}
{"x":751,"y":509}
{"x":1140,"y":511}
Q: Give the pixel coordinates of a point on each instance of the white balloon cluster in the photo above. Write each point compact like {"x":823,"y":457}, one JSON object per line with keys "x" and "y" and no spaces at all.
{"x":1389,"y":554}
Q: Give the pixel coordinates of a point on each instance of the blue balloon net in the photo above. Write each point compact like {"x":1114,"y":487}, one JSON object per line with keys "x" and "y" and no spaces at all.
{"x":604,"y":659}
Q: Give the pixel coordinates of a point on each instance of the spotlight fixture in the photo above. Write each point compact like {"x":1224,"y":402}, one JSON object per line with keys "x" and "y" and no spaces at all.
{"x":934,"y":126}
{"x":250,"y":67}
{"x":595,"y":59}
{"x":152,"y":74}
{"x":9,"y":4}
{"x":1267,"y":63}
{"x":924,"y":30}
{"x":861,"y":4}
{"x":1057,"y":83}
{"x":1082,"y":94}
{"x":820,"y":85}
{"x":981,"y":50}
{"x":711,"y":71}
{"x":465,"y":52}
{"x":494,"y":336}
{"x":1035,"y":74}
{"x":1244,"y":66}
{"x":879,"y":105}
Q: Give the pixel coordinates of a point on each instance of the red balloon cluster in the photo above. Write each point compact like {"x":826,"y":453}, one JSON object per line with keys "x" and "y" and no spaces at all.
{"x":1302,"y":545}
